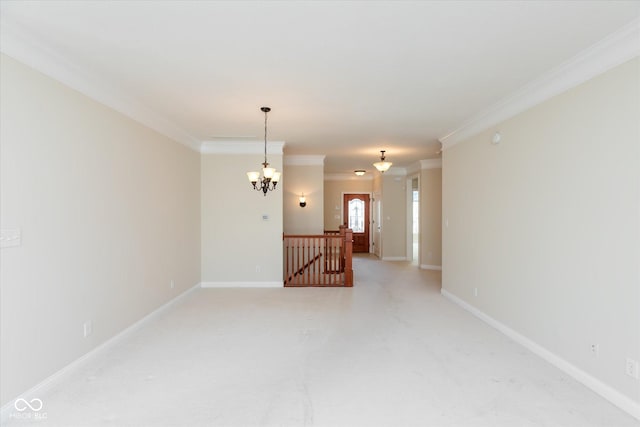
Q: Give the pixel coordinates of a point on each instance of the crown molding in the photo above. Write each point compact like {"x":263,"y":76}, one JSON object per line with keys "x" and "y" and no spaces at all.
{"x":606,"y":54}
{"x":238,"y":147}
{"x":422,"y":165}
{"x":304,"y":160}
{"x":430,"y":164}
{"x":413,"y":168}
{"x":347,"y":177}
{"x":396,"y":171}
{"x":20,"y":45}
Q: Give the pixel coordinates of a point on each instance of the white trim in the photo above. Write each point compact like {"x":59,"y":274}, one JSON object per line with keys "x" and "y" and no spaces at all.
{"x":413,"y":168}
{"x":315,"y":160}
{"x":423,"y":164}
{"x":409,"y":213}
{"x":241,"y":147}
{"x":41,"y":388}
{"x":609,"y":52}
{"x":394,"y":258}
{"x":431,"y":267}
{"x":620,"y":400}
{"x":18,"y":44}
{"x":431,"y":164}
{"x":242,"y":284}
{"x":348,"y":177}
{"x":395,"y":171}
{"x":370,"y":194}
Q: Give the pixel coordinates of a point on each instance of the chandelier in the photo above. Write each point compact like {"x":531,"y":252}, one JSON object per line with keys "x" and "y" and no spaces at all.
{"x":382,"y":166}
{"x":270,"y":177}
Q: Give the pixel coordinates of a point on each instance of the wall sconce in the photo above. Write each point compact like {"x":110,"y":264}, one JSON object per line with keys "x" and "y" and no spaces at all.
{"x":303,"y":201}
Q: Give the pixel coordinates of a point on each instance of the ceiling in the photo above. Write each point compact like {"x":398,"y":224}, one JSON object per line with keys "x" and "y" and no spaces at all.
{"x":345,"y":79}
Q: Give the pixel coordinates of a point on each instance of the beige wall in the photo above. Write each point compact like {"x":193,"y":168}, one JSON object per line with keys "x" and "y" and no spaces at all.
{"x":109,"y":213}
{"x":545,"y":225}
{"x":238,"y":246}
{"x":394,"y":217}
{"x":306,"y":179}
{"x":333,"y":190}
{"x":431,"y":218}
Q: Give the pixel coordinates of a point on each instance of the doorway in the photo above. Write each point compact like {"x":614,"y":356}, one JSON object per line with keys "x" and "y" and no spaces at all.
{"x":355,"y":213}
{"x":413,"y":220}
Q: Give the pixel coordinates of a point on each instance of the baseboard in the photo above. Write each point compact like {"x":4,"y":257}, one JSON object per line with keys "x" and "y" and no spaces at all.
{"x":394,"y":258}
{"x":242,"y":284}
{"x":431,"y":267}
{"x":41,"y":388}
{"x":620,"y":400}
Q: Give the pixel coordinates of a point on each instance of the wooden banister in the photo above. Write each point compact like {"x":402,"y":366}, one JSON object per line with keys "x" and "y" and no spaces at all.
{"x":301,"y":270}
{"x":303,"y":251}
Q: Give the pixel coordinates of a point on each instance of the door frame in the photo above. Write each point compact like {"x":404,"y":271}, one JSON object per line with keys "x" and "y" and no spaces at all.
{"x":409,"y":198}
{"x":377,"y":231}
{"x":370,"y":212}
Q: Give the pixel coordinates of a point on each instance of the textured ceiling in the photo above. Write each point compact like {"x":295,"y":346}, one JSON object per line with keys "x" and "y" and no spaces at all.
{"x":345,"y":79}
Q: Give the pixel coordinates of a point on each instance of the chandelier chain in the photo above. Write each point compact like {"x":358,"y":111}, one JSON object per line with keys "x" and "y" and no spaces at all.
{"x":265,"y":137}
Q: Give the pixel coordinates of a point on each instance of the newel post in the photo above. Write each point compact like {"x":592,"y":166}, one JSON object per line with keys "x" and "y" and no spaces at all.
{"x":348,"y":250}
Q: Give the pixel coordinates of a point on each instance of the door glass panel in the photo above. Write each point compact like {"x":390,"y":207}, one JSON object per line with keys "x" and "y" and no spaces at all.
{"x":356,"y":215}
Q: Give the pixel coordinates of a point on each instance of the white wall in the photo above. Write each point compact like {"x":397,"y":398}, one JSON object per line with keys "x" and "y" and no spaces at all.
{"x":546,"y":225}
{"x":109,"y":213}
{"x":238,"y":246}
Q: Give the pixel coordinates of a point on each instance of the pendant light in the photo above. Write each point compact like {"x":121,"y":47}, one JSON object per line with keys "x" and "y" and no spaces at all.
{"x":270,"y":177}
{"x":382,"y":166}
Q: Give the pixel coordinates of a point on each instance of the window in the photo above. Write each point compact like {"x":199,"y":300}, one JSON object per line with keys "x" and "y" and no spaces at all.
{"x":356,"y":215}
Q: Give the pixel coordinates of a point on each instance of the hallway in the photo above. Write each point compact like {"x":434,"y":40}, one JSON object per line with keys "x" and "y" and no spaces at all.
{"x":391,"y":351}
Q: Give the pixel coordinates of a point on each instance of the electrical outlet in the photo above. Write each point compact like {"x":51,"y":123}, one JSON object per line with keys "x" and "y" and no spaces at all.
{"x":475,"y":292}
{"x":87,"y":328}
{"x":631,"y":368}
{"x":595,"y":350}
{"x":258,"y":269}
{"x":172,"y":285}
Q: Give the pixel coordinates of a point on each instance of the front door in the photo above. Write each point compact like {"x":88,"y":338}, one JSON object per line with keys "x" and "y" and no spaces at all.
{"x":356,"y":216}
